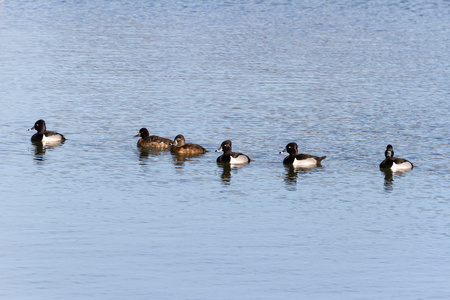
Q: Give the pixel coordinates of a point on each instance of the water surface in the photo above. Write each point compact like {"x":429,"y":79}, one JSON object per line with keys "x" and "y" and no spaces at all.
{"x":95,"y":218}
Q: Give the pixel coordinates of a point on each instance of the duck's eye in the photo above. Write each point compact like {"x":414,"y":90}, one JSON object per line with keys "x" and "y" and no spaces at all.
{"x":225,"y":145}
{"x":289,"y":147}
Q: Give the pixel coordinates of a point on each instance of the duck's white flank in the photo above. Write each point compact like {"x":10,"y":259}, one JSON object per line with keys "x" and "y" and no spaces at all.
{"x":404,"y":166}
{"x":241,"y":159}
{"x":305,"y":163}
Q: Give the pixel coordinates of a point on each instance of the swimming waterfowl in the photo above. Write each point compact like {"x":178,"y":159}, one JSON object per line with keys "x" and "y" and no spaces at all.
{"x":394,"y":163}
{"x":300,"y":160}
{"x":152,"y":141}
{"x":44,"y":135}
{"x":231,"y":157}
{"x":179,"y":146}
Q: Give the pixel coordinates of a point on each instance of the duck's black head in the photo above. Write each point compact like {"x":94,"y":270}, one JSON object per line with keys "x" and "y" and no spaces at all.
{"x":143,"y":133}
{"x":39,"y":126}
{"x":389,"y":151}
{"x":225,"y":147}
{"x":291,"y":148}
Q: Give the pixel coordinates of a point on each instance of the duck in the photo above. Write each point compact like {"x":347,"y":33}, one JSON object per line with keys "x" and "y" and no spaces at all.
{"x":152,"y":141}
{"x":179,"y":146}
{"x":300,"y":160}
{"x":395,"y":163}
{"x":43,"y":135}
{"x":231,"y":157}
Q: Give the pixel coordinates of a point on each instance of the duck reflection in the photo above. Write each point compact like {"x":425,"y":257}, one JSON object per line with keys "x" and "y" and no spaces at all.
{"x":144,"y":153}
{"x":40,"y":148}
{"x":292,"y":172}
{"x":226,"y":171}
{"x":291,"y":175}
{"x":180,"y":158}
{"x":389,"y":178}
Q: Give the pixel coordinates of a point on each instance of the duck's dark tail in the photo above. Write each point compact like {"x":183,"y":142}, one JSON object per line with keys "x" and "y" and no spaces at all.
{"x":321,"y":158}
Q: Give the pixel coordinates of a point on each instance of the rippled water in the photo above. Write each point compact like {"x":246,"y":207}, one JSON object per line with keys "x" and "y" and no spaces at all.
{"x":96,"y":218}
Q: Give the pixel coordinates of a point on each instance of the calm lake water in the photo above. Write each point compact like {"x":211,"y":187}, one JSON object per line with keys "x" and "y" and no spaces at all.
{"x":95,"y":218}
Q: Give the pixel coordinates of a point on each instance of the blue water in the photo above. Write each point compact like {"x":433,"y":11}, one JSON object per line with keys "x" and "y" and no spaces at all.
{"x":95,"y":218}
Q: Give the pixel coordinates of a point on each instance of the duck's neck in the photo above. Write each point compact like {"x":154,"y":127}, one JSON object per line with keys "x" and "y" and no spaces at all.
{"x":41,"y":130}
{"x":227,"y":152}
{"x":389,"y":153}
{"x":293,"y":152}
